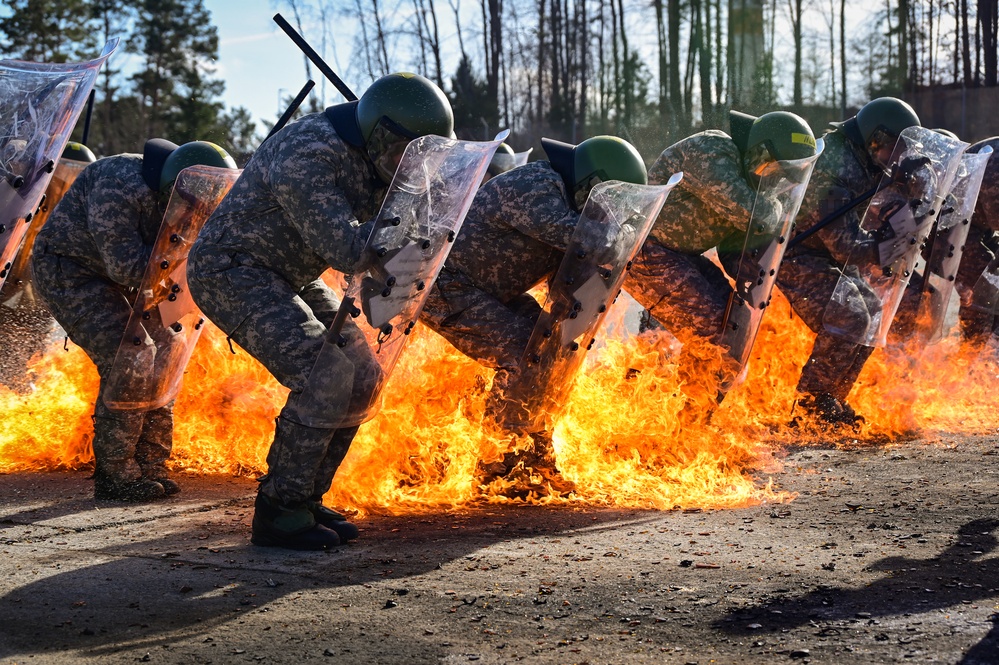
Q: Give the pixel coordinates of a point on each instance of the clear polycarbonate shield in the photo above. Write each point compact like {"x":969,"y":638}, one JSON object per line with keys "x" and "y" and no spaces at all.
{"x":953,"y":225}
{"x":613,"y":225}
{"x":17,"y":291}
{"x":897,"y":222}
{"x":503,"y":162}
{"x":39,"y":106}
{"x":778,"y":197}
{"x":165,"y":323}
{"x":419,"y":219}
{"x":985,"y":294}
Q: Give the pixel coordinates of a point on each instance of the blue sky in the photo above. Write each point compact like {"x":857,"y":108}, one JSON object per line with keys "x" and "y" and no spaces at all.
{"x":258,"y":62}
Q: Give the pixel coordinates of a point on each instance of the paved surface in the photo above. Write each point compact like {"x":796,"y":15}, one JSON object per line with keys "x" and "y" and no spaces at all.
{"x":886,"y":555}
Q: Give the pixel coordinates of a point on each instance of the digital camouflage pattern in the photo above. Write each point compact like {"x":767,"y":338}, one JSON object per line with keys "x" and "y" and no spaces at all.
{"x":711,"y":207}
{"x":811,"y":269}
{"x":711,"y":204}
{"x":515,"y":232}
{"x":513,"y":238}
{"x":300,"y":206}
{"x":88,"y":259}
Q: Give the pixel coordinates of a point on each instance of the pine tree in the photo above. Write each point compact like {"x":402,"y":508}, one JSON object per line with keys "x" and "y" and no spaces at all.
{"x":46,"y":30}
{"x":177,"y":42}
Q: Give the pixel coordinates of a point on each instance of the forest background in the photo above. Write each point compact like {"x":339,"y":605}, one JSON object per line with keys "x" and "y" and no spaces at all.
{"x":652,"y":71}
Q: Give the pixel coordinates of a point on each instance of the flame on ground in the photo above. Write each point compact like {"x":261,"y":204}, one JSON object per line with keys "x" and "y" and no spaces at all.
{"x":641,"y":429}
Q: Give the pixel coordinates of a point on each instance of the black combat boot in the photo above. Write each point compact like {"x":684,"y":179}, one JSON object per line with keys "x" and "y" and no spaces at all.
{"x":133,"y":491}
{"x":825,"y":410}
{"x":529,"y":471}
{"x":291,"y":526}
{"x":333,"y":520}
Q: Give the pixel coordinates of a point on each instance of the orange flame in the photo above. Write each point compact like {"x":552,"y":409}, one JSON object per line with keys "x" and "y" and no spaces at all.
{"x":640,"y":429}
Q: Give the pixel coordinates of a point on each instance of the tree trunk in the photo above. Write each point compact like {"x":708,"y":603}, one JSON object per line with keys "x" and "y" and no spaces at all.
{"x":675,"y":94}
{"x":842,"y":57}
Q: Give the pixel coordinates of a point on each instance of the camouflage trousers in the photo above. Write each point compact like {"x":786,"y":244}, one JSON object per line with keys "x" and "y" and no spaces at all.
{"x":494,"y":334}
{"x":808,"y":279}
{"x":285,"y":330}
{"x":94,"y":312}
{"x":687,"y":294}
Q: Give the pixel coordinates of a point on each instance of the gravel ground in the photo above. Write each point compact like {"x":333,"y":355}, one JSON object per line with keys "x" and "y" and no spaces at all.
{"x":886,"y":555}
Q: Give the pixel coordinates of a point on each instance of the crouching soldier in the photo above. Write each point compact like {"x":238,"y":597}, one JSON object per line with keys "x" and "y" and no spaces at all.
{"x":513,"y":240}
{"x":88,"y":263}
{"x":303,"y":204}
{"x":858,"y":153}
{"x":738,"y":192}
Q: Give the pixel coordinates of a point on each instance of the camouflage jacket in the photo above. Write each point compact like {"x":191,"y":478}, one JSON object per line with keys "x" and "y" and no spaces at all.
{"x":516,"y":231}
{"x":712,"y":202}
{"x":842,"y":172}
{"x":107,"y":221}
{"x":301,"y":205}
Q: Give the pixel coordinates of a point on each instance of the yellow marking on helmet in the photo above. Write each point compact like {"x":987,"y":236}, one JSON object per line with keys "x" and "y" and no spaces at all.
{"x":797,"y":137}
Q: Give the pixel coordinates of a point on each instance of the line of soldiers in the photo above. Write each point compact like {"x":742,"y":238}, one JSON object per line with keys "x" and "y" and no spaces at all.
{"x":363,"y":188}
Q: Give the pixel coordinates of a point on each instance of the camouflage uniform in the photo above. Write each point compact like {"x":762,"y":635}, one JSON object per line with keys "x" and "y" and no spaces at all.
{"x":513,"y":238}
{"x":710,"y":208}
{"x":811,"y":268}
{"x":88,"y":261}
{"x":255,"y":272}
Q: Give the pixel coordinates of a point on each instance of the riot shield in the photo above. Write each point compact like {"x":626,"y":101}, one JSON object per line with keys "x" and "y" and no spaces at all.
{"x":781,"y":190}
{"x":505,"y":162}
{"x":165,"y":323}
{"x":897,"y":222}
{"x":39,"y":106}
{"x":985,"y":294}
{"x":18,"y":291}
{"x":425,"y":206}
{"x":953,"y":224}
{"x":613,"y":225}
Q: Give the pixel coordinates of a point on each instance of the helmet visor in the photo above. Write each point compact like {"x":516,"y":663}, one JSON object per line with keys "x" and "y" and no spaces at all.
{"x":880,"y":146}
{"x":583,"y":188}
{"x":386,"y":145}
{"x":758,"y":163}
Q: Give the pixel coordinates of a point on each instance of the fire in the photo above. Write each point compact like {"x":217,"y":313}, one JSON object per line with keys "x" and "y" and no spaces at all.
{"x":640,"y":429}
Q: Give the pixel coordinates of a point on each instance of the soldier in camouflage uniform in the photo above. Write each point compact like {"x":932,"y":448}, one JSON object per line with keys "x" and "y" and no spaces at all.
{"x":857,"y":153}
{"x":88,"y":260}
{"x":512,"y":240}
{"x":711,"y":207}
{"x":302,"y":205}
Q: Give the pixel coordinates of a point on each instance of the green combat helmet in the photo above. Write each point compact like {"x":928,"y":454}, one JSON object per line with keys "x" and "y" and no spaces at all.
{"x":880,"y":123}
{"x":777,"y":136}
{"x":595,"y":160}
{"x":190,"y":154}
{"x":396,"y":109}
{"x":78,"y":152}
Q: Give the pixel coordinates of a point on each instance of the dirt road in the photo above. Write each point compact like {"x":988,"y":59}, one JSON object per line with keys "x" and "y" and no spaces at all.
{"x":886,"y":555}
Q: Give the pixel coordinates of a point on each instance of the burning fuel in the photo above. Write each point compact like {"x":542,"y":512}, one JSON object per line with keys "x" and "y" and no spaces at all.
{"x":637,"y":431}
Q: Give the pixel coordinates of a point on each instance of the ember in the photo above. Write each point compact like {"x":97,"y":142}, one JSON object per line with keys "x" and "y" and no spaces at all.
{"x":635,"y":432}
